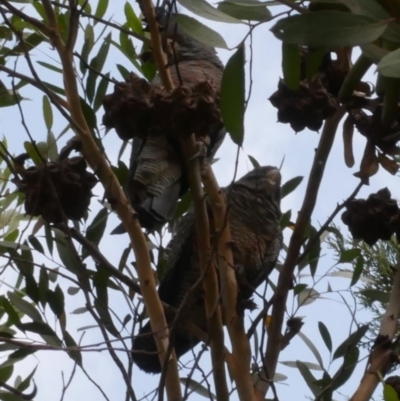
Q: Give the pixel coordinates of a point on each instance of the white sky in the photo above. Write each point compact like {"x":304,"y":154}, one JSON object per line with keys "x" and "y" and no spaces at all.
{"x":267,"y":141}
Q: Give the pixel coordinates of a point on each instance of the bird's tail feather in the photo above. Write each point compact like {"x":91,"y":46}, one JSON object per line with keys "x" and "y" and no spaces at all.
{"x":144,"y":350}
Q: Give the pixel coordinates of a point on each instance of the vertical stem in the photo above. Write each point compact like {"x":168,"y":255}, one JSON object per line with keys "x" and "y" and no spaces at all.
{"x":239,"y":360}
{"x":117,"y":198}
{"x":210,"y":282}
{"x":381,"y":357}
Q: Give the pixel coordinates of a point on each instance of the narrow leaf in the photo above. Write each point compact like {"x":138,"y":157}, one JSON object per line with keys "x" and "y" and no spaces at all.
{"x":47,"y":113}
{"x":325,"y":335}
{"x":203,"y":9}
{"x":328,"y":28}
{"x":291,"y":65}
{"x":232,"y":97}
{"x":200,"y":32}
{"x":290,"y":186}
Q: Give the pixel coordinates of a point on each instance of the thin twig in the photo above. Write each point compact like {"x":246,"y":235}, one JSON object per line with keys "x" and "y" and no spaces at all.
{"x":33,"y":21}
{"x":108,"y":23}
{"x":114,"y":194}
{"x":54,"y":98}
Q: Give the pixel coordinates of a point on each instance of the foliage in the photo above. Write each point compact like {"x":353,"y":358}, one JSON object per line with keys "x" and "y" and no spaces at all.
{"x":62,"y":276}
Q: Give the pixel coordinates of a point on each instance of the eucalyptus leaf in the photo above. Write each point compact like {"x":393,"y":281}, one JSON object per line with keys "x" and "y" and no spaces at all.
{"x":328,"y":29}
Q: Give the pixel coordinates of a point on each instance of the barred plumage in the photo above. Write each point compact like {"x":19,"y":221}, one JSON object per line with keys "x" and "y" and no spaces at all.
{"x":157,"y":179}
{"x":254,"y":213}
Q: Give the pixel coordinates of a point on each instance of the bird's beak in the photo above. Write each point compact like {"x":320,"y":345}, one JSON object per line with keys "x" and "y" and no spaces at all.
{"x":274,"y":177}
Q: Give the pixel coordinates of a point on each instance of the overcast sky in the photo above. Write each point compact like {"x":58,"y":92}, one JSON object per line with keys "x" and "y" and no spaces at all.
{"x":266,"y":140}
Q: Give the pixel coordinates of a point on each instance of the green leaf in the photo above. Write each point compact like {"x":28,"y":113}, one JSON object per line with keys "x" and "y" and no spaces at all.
{"x":200,"y":32}
{"x":97,"y":64}
{"x":101,"y":92}
{"x":313,"y":61}
{"x":87,"y":48}
{"x":310,"y":365}
{"x":203,"y":9}
{"x":6,"y":373}
{"x":328,"y":28}
{"x":75,"y":355}
{"x":315,"y":251}
{"x":21,"y":353}
{"x":56,"y":301}
{"x":389,"y":66}
{"x":375,"y":11}
{"x":30,"y":43}
{"x":126,"y":45}
{"x":73,"y":290}
{"x":26,"y":382}
{"x":124,"y":258}
{"x":49,"y":238}
{"x":232,"y":96}
{"x":13,"y":318}
{"x":24,"y":306}
{"x":290,"y":186}
{"x":197,"y":388}
{"x":36,"y":244}
{"x":8,"y":97}
{"x":285,"y":219}
{"x":349,"y":255}
{"x":95,"y":231}
{"x":38,"y":328}
{"x":37,"y":153}
{"x":389,"y":393}
{"x":79,"y":311}
{"x":123,"y":71}
{"x":291,"y":65}
{"x":253,"y":161}
{"x":312,"y":348}
{"x":100,"y":282}
{"x":52,"y":147}
{"x":68,"y":258}
{"x":43,"y":286}
{"x":345,"y":371}
{"x":350,"y":342}
{"x":376,"y":295}
{"x":358,"y":269}
{"x":243,"y":12}
{"x":50,"y":67}
{"x":325,"y":335}
{"x":132,"y":20}
{"x":299,"y":288}
{"x":308,"y":377}
{"x":89,"y":114}
{"x":122,"y":172}
{"x":47,"y":113}
{"x":101,"y":9}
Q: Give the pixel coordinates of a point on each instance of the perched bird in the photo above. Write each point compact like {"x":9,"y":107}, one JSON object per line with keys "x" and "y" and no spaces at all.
{"x":254,"y":214}
{"x":157,"y":175}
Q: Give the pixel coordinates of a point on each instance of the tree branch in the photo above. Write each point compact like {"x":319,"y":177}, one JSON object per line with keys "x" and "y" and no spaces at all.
{"x":296,"y":241}
{"x":207,"y":267}
{"x":108,"y":23}
{"x":241,"y":353}
{"x":117,"y":198}
{"x":54,"y":98}
{"x":383,"y":353}
{"x":33,"y":21}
